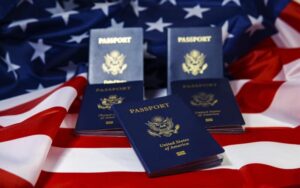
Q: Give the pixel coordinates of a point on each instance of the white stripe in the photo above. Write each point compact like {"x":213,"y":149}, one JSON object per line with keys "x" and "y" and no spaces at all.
{"x":279,"y":155}
{"x":262,"y":120}
{"x":63,"y":97}
{"x":285,"y":105}
{"x":287,"y":37}
{"x":24,"y":156}
{"x":285,"y":156}
{"x":18,"y":100}
{"x":15,"y":101}
{"x":236,"y":85}
{"x":290,"y":71}
{"x":69,"y":121}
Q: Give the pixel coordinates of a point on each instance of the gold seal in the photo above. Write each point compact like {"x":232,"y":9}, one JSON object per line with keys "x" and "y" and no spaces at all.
{"x":194,"y":63}
{"x":114,"y":63}
{"x":160,"y":126}
{"x":203,"y":99}
{"x":106,"y":103}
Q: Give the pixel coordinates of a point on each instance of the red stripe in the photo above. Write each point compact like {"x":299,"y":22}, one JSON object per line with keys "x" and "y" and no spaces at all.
{"x":290,"y":15}
{"x":260,"y":64}
{"x":254,"y":175}
{"x":77,"y":83}
{"x":66,"y":138}
{"x":263,"y":63}
{"x":9,"y":180}
{"x":256,"y":96}
{"x":282,"y":135}
{"x":46,"y":122}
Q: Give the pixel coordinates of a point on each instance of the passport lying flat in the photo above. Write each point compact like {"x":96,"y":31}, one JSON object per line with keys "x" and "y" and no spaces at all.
{"x":213,"y":103}
{"x":167,"y":137}
{"x":194,"y":53}
{"x":116,"y":55}
{"x":96,"y":116}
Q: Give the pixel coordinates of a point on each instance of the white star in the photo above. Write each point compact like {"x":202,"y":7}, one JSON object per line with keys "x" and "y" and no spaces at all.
{"x":228,"y":1}
{"x":22,"y":1}
{"x":39,"y":50}
{"x":69,"y":5}
{"x":136,"y":8}
{"x":256,"y":24}
{"x":225,"y":32}
{"x":103,"y":6}
{"x":58,"y":11}
{"x":70,"y":70}
{"x":10,"y":66}
{"x":78,"y":38}
{"x":266,"y":2}
{"x":195,"y":11}
{"x":146,"y":53}
{"x":22,"y":23}
{"x":158,"y":25}
{"x":114,"y":24}
{"x":173,"y":2}
{"x":40,"y":86}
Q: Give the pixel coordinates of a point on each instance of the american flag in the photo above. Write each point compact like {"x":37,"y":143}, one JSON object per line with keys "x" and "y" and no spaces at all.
{"x":43,"y":57}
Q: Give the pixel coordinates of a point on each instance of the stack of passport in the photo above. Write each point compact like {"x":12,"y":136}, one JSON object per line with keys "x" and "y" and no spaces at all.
{"x":195,"y":68}
{"x":167,"y":137}
{"x":115,"y":76}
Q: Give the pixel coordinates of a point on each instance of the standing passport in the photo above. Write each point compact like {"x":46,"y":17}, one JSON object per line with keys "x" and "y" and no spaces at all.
{"x":194,"y":53}
{"x":167,"y":137}
{"x":115,"y":76}
{"x":213,"y":102}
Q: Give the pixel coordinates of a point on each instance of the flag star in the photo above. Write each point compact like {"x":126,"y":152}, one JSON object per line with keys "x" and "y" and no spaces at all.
{"x":146,"y":53}
{"x":136,"y":8}
{"x":78,"y":38}
{"x":22,"y":23}
{"x":173,"y":2}
{"x":22,"y":1}
{"x":237,"y":2}
{"x":266,"y":2}
{"x":69,"y":5}
{"x":70,"y":70}
{"x":256,"y":24}
{"x":225,"y":32}
{"x":39,"y":50}
{"x":11,"y":67}
{"x":114,"y":24}
{"x":103,"y":6}
{"x":195,"y":11}
{"x":39,"y":87}
{"x":58,"y":11}
{"x":159,"y":25}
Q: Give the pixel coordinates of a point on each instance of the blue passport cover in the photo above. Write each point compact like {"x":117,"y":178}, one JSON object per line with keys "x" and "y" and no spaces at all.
{"x":96,"y":113}
{"x":115,"y":55}
{"x":211,"y":100}
{"x":165,"y":134}
{"x":194,"y":53}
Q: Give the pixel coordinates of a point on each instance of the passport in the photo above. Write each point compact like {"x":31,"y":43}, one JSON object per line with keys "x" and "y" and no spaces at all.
{"x":115,"y":55}
{"x":213,"y":103}
{"x":96,"y":116}
{"x":194,"y":53}
{"x":167,"y":137}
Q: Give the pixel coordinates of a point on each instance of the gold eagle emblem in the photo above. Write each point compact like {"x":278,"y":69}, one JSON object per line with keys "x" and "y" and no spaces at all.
{"x":194,"y":63}
{"x":106,"y":103}
{"x":160,"y":126}
{"x":114,"y":63}
{"x":203,"y":99}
